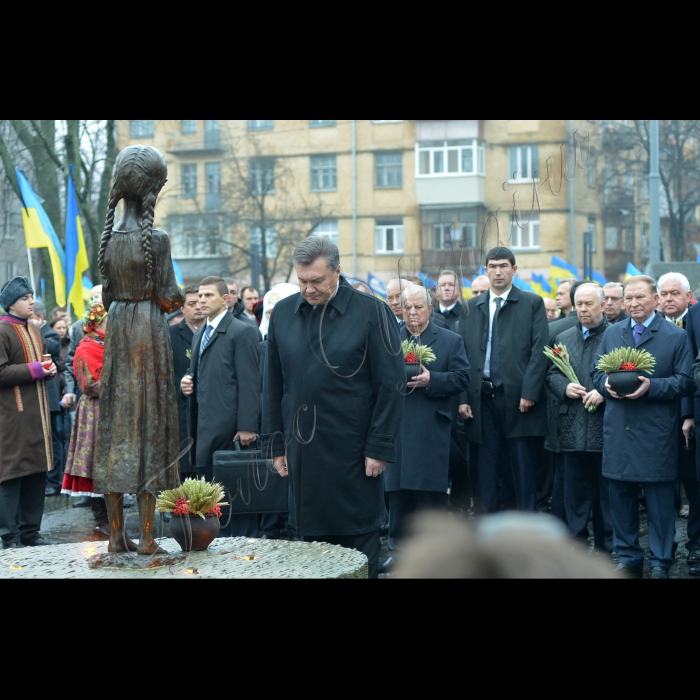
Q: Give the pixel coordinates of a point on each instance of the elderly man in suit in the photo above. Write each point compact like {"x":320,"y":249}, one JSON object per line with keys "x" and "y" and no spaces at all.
{"x":640,"y":433}
{"x":223,"y":383}
{"x":674,"y":290}
{"x":420,"y":476}
{"x":181,"y":336}
{"x":614,"y":302}
{"x":505,"y":332}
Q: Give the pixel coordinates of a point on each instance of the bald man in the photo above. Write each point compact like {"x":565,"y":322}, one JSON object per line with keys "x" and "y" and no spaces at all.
{"x":550,"y":306}
{"x":480,"y":285}
{"x":394,"y":296}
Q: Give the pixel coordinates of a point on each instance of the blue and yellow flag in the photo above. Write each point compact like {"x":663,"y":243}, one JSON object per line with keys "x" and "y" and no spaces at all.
{"x":178,"y":274}
{"x":376,"y":285}
{"x":39,"y":233}
{"x":561,"y":269}
{"x":632,"y":271}
{"x":76,"y":252}
{"x":522,"y":284}
{"x":599,"y":278}
{"x":536,"y":284}
{"x":466,"y":289}
{"x":428,"y":282}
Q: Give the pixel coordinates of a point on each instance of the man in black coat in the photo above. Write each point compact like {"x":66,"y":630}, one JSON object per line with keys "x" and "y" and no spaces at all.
{"x":505,"y":332}
{"x":581,"y":431}
{"x":235,"y":304}
{"x":613,"y":302}
{"x":675,"y":293}
{"x":223,"y":384}
{"x":331,"y":406}
{"x":181,"y":336}
{"x":419,"y":478}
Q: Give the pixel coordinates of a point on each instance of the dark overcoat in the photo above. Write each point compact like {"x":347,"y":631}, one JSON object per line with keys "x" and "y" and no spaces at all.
{"x":53,"y":348}
{"x":640,"y":436}
{"x":229,"y":388}
{"x":181,"y":339}
{"x":556,"y":328}
{"x":523,"y":332}
{"x":579,"y":429}
{"x":332,"y":395}
{"x":423,"y":453}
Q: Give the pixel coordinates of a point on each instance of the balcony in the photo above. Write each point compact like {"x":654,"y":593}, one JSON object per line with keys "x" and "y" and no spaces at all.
{"x":451,"y":190}
{"x":433,"y":259}
{"x":182,"y":146}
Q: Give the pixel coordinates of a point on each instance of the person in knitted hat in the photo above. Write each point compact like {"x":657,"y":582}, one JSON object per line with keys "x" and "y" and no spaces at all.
{"x":26,"y":452}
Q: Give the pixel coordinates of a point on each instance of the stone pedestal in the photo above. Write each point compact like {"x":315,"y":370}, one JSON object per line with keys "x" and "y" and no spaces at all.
{"x":226,"y":558}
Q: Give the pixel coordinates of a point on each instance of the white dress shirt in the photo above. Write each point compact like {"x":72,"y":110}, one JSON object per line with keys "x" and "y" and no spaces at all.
{"x":215,"y":323}
{"x":492,"y":313}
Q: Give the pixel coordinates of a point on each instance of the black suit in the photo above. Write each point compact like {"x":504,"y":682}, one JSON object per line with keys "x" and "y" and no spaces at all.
{"x":54,"y":479}
{"x":498,"y":424}
{"x":181,"y":339}
{"x":226,"y":399}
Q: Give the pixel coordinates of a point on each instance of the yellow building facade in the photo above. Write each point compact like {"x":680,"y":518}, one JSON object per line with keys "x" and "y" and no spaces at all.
{"x":396,"y":195}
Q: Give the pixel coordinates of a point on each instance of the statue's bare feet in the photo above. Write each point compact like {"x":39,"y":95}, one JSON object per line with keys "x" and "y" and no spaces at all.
{"x":122,"y":546}
{"x":150,"y":548}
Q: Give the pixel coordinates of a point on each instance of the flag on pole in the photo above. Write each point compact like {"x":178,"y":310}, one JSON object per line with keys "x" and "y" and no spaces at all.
{"x":178,"y":274}
{"x":466,"y":289}
{"x":76,"y":252}
{"x":562,"y":270}
{"x":522,"y":284}
{"x":536,"y":284}
{"x":376,"y":285}
{"x":599,"y":278}
{"x":39,"y":233}
{"x":632,"y":271}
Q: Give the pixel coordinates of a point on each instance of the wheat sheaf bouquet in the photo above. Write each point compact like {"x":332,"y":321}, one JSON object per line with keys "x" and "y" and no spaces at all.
{"x":414,"y":352}
{"x":559,"y":355}
{"x":627,"y":359}
{"x":194,"y":497}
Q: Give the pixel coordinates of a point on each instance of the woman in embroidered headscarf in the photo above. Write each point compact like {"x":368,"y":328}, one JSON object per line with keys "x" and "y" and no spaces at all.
{"x":87,"y":365}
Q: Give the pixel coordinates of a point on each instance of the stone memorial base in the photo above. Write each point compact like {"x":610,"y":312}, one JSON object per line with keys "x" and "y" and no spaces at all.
{"x":226,"y":558}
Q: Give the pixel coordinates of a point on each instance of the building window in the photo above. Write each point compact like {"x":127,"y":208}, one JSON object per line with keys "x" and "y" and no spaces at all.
{"x":261,"y":124}
{"x":611,"y":238}
{"x":387,"y":121}
{"x":189,"y":126}
{"x":141,"y":129}
{"x":448,"y":236}
{"x":270,"y":241}
{"x":388,"y":170}
{"x":449,"y":158}
{"x":527,"y":235}
{"x":524,"y":163}
{"x":188,"y":175}
{"x":329,"y":229}
{"x":324,"y":173}
{"x":628,"y":237}
{"x":591,"y":170}
{"x":200,"y":245}
{"x":11,"y":271}
{"x":213,"y":175}
{"x":315,"y":123}
{"x":389,"y":236}
{"x":261,"y":174}
{"x":212,"y":133}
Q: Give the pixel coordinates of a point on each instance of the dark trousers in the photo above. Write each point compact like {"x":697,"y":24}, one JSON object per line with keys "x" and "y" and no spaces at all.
{"x":692,"y":491}
{"x":661,"y":512}
{"x":558,"y":506}
{"x":522,"y":454}
{"x":586,"y":493}
{"x":403,"y":504}
{"x":460,"y":491}
{"x":21,"y":508}
{"x":54,"y":479}
{"x":367,"y":544}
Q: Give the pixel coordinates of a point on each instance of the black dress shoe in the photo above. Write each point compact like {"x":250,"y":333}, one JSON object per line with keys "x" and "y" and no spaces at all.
{"x":658,"y":573}
{"x":387,"y":565}
{"x":52,"y":492}
{"x":83,"y":502}
{"x":629,"y":571}
{"x":693,"y":557}
{"x":102,"y":529}
{"x":13,"y":545}
{"x":37,"y":541}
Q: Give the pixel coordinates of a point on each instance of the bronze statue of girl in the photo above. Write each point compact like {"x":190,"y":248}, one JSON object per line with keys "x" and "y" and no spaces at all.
{"x":137,"y":439}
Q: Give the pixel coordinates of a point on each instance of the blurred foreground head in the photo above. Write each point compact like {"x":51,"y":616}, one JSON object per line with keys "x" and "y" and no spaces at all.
{"x":507,"y":545}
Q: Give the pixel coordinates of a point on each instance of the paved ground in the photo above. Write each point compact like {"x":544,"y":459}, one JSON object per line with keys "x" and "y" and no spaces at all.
{"x":63,"y":524}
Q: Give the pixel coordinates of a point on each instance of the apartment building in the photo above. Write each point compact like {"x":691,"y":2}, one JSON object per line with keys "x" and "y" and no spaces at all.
{"x":394,"y":194}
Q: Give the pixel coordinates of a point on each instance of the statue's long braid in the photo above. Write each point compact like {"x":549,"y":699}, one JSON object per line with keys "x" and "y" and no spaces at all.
{"x":106,"y":235}
{"x":148,"y":205}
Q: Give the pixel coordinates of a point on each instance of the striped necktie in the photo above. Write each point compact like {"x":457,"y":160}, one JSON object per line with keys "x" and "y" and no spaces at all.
{"x":205,"y":341}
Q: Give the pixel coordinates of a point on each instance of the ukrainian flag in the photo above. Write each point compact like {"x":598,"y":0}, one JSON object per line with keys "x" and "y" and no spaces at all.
{"x":39,"y":233}
{"x":76,"y":252}
{"x":632,"y":271}
{"x":521,"y":284}
{"x":87,"y":289}
{"x":466,"y":289}
{"x":178,"y":274}
{"x":599,"y":278}
{"x":562,"y":270}
{"x":428,"y":282}
{"x":536,"y":284}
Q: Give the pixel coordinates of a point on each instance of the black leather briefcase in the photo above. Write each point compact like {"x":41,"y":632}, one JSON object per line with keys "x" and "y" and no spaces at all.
{"x":251,"y":482}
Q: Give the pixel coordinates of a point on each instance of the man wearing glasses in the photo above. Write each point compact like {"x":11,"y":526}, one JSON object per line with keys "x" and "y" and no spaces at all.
{"x":613,"y":302}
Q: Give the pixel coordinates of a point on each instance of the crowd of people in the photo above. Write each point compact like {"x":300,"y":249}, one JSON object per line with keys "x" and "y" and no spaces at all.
{"x":314,"y":374}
